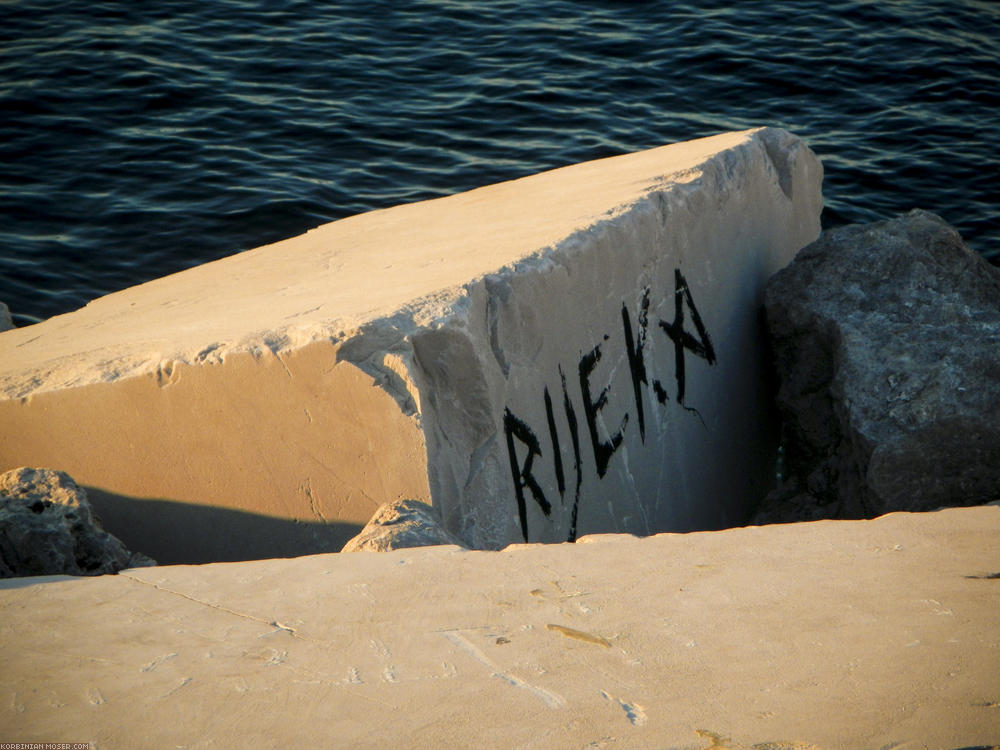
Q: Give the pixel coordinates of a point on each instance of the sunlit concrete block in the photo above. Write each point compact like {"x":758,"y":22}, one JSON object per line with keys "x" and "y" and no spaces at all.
{"x":573,"y":352}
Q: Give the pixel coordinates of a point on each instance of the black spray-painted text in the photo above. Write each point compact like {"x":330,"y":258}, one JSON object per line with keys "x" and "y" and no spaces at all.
{"x":523,"y":445}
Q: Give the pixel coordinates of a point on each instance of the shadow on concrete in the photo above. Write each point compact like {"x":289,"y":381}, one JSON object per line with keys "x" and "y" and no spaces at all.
{"x":25,"y":581}
{"x":175,"y":533}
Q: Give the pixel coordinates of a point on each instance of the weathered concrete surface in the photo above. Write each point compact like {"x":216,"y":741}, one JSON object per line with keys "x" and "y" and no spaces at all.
{"x":571,"y":352}
{"x":887,"y":346}
{"x":47,"y":528}
{"x":835,"y":634}
{"x":402,"y":524}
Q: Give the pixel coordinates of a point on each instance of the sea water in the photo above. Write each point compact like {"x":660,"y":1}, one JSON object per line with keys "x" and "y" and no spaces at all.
{"x":138,"y":139}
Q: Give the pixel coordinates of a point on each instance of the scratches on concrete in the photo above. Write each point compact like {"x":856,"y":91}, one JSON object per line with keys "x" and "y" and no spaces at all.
{"x":549,"y":698}
{"x":157,"y":662}
{"x":314,"y":506}
{"x":635,"y":713}
{"x":183,"y":683}
{"x":579,"y":635}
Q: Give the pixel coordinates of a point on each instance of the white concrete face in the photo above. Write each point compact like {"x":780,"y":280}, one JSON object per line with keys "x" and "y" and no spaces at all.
{"x":421,"y":351}
{"x":615,"y":381}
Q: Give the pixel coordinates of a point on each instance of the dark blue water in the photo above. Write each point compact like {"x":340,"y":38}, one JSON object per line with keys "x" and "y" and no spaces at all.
{"x":141,"y":138}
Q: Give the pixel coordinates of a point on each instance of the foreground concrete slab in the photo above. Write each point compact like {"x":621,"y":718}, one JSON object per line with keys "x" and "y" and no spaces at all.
{"x":572,"y":352}
{"x":833,"y":634}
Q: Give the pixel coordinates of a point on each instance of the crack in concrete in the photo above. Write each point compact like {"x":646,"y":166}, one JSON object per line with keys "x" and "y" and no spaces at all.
{"x":498,"y":292}
{"x":218,"y":607}
{"x":288,"y":372}
{"x":307,"y":488}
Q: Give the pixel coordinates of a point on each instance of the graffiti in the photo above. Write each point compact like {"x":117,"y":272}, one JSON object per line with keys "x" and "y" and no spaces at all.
{"x":521,"y":438}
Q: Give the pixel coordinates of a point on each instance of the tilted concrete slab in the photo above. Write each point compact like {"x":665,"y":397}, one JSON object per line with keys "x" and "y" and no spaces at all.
{"x":834,"y":634}
{"x":572,"y":352}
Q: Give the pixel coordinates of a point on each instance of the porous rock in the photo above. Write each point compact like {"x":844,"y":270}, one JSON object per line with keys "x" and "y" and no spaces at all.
{"x":401,"y":524}
{"x":47,"y":528}
{"x":886,"y":340}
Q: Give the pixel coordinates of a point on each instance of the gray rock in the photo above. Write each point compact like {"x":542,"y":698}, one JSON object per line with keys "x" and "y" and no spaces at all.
{"x":6,"y":322}
{"x":887,"y":346}
{"x":400,"y":524}
{"x":47,"y":528}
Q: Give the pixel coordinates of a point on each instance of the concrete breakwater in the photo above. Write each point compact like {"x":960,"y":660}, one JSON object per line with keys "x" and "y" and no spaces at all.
{"x":833,"y":634}
{"x":574,"y":352}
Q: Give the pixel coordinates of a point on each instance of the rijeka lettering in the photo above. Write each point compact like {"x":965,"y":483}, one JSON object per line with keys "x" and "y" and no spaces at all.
{"x":523,"y":445}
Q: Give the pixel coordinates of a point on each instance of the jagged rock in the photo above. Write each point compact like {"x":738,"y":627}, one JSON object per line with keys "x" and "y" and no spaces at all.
{"x":47,"y":528}
{"x":6,"y":322}
{"x":403,"y":523}
{"x":887,"y":346}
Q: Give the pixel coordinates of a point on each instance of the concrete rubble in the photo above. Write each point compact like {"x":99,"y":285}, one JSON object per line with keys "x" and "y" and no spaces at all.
{"x":400,"y":525}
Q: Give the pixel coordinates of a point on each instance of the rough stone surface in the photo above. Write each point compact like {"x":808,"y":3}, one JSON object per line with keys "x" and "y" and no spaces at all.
{"x":887,"y":345}
{"x":577,"y":351}
{"x":6,"y":322}
{"x":401,"y":524}
{"x":47,"y":528}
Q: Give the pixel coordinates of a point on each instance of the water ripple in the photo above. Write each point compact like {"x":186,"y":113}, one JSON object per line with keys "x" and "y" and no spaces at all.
{"x":140,"y":139}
